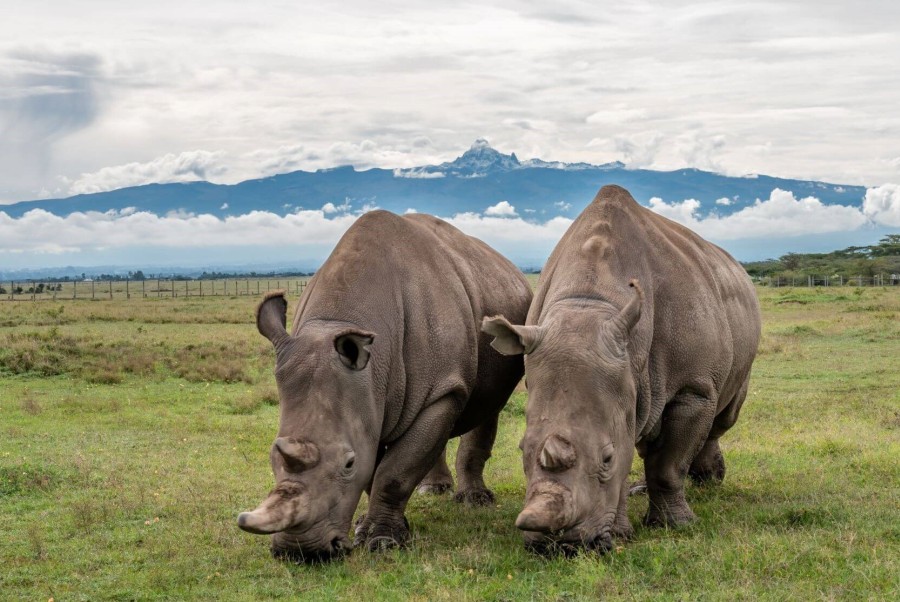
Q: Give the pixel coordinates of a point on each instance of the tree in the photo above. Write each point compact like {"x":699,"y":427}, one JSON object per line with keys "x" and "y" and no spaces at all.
{"x":791,"y":261}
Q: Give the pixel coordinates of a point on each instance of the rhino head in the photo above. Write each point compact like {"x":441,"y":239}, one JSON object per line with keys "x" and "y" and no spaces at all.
{"x":325,"y":452}
{"x":580,"y":416}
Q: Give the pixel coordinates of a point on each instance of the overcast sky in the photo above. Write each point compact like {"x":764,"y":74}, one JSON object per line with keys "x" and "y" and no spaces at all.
{"x":100,"y":94}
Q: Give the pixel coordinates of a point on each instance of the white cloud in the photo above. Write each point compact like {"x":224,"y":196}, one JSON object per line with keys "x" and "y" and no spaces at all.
{"x":882,"y":204}
{"x":113,"y":230}
{"x":780,"y":216}
{"x":616,"y":116}
{"x":329,"y":208}
{"x":501,"y":209}
{"x":564,"y":206}
{"x":189,"y":166}
{"x":723,"y":201}
{"x":417,"y":174}
{"x":503,"y":230}
{"x":224,"y":206}
{"x":409,"y":210}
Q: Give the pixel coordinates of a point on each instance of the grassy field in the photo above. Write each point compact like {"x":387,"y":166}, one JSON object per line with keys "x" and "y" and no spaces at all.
{"x":133,"y":432}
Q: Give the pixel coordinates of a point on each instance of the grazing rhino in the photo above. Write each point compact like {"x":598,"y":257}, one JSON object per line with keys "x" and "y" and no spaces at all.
{"x":640,"y":334}
{"x":384,"y":364}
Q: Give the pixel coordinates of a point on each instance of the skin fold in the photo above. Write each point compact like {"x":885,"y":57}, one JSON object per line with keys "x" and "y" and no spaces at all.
{"x":641,"y":335}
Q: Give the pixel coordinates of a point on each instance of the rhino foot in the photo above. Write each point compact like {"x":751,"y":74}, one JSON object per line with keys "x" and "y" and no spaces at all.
{"x":435,"y":488}
{"x":378,"y":537}
{"x":475,"y":497}
{"x":622,"y":530}
{"x":669,"y":517}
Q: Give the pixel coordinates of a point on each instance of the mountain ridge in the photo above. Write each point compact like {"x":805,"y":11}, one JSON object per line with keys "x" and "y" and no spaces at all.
{"x":479,"y":178}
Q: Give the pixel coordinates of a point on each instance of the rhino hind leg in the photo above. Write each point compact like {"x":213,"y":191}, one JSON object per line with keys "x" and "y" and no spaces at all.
{"x":438,"y":480}
{"x":708,"y":468}
{"x":686,"y":424}
{"x":474,"y":452}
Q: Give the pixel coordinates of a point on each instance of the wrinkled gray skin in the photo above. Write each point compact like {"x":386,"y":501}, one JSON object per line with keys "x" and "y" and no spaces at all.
{"x":640,"y":334}
{"x":385,"y":362}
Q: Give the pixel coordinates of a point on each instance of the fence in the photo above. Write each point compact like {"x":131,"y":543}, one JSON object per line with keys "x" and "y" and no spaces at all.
{"x":36,"y":290}
{"x":837,"y":280}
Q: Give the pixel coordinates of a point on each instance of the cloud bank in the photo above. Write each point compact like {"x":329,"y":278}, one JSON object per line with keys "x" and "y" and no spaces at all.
{"x":782,"y":216}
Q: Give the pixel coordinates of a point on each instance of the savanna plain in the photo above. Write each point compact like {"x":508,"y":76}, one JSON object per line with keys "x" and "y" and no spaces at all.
{"x":132,"y":432}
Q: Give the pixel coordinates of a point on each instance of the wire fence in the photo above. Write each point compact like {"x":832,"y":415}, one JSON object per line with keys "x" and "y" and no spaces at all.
{"x":836,"y":280}
{"x":37,"y":290}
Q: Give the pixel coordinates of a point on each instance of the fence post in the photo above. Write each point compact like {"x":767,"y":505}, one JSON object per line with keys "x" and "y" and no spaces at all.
{"x":201,"y":287}
{"x":257,"y":288}
{"x":92,"y":289}
{"x":186,"y":292}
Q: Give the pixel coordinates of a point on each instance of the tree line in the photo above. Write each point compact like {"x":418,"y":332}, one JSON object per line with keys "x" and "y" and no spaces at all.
{"x":880,"y":258}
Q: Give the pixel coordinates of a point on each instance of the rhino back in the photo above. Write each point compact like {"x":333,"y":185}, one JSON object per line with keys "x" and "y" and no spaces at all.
{"x":418,"y":284}
{"x":700,"y":323}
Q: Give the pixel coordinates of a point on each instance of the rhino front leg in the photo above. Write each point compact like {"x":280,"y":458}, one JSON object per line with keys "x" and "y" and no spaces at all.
{"x":686,"y":424}
{"x":405,"y":463}
{"x":474,"y":451}
{"x":438,"y":480}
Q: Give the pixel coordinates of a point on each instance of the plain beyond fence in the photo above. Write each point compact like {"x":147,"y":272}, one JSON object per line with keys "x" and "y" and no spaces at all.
{"x":36,"y":290}
{"x":838,"y":280}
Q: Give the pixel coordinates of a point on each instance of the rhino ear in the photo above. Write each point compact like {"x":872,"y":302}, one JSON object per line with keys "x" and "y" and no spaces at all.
{"x":619,"y":327}
{"x":271,"y":317}
{"x":510,"y":339}
{"x":352,"y":348}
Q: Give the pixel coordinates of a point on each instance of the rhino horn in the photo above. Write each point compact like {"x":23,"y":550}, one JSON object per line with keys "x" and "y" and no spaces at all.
{"x":298,"y":455}
{"x":285,"y":507}
{"x":547,"y":511}
{"x":557,"y":454}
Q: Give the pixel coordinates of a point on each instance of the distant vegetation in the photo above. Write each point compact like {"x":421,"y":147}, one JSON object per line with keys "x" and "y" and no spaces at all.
{"x":881,"y":258}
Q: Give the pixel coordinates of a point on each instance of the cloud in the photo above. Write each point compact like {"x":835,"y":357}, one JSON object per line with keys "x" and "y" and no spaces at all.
{"x":882,"y":204}
{"x":501,"y":209}
{"x":504,"y":230}
{"x":115,"y":230}
{"x":780,"y":216}
{"x":723,"y":201}
{"x":417,"y":173}
{"x":190,"y":166}
{"x":564,"y":206}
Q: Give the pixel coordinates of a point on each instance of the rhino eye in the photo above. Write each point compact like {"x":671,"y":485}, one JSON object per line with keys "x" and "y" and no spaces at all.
{"x":351,"y":460}
{"x":606,"y":455}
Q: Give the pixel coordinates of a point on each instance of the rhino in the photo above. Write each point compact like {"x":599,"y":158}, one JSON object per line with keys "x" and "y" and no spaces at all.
{"x":385,"y":362}
{"x":641,"y":335}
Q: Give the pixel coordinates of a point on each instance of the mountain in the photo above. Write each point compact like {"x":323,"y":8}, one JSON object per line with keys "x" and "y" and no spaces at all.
{"x":479,"y":178}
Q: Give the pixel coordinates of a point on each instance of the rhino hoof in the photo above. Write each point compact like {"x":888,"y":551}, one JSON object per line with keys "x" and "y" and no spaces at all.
{"x":475,"y":497}
{"x":435,"y":488}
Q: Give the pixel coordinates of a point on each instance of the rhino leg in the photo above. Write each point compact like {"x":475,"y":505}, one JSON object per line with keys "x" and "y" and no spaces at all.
{"x":686,"y":423}
{"x":709,"y":465}
{"x":708,"y":468}
{"x":622,"y":528}
{"x":438,"y":480}
{"x":474,"y":451}
{"x":404,"y":465}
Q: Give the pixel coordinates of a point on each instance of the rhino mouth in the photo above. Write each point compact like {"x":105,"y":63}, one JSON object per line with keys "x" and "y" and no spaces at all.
{"x":569,"y":543}
{"x":290,"y":548}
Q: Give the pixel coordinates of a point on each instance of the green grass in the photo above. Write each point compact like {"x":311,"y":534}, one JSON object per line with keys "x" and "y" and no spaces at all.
{"x":133,"y":432}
